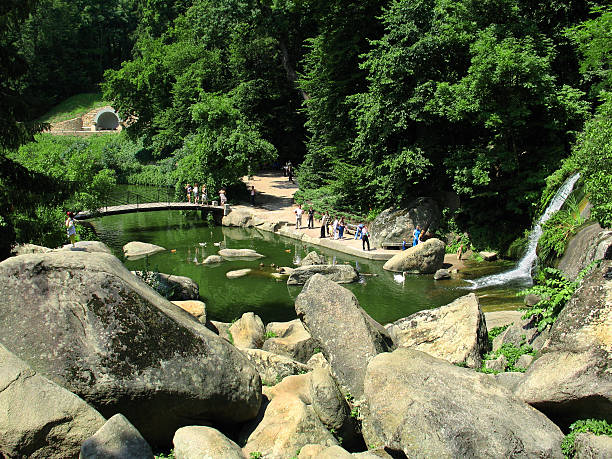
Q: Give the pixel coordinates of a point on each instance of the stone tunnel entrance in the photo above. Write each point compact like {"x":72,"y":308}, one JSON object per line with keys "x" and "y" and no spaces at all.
{"x":106,"y":120}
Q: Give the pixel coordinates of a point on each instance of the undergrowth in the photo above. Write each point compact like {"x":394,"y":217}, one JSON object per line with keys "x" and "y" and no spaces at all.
{"x":595,"y":426}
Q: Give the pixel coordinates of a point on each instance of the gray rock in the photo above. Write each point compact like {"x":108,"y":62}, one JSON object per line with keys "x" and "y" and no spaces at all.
{"x":521,"y":332}
{"x":442,"y":274}
{"x":488,"y":256}
{"x":201,"y":442}
{"x":212,"y":259}
{"x":240,"y":253}
{"x":248,"y":331}
{"x":194,"y":307}
{"x":342,"y":274}
{"x":181,"y":288}
{"x":313,"y":258}
{"x":393,"y":225}
{"x":591,"y":446}
{"x":324,"y":452}
{"x":573,"y":378}
{"x":348,"y":336}
{"x":273,"y":368}
{"x":97,"y":330}
{"x":24,"y":249}
{"x":38,"y":418}
{"x":456,"y":332}
{"x":331,"y":406}
{"x":498,"y":364}
{"x":135,"y":250}
{"x":508,"y":379}
{"x":221,"y":329}
{"x":590,"y":243}
{"x":424,"y":258}
{"x":117,"y":439}
{"x":531,"y":300}
{"x":426,"y":407}
{"x":318,"y":361}
{"x":524,"y":361}
{"x":88,"y":246}
{"x":500,"y":318}
{"x":291,"y":339}
{"x":238,"y":217}
{"x":238,"y":273}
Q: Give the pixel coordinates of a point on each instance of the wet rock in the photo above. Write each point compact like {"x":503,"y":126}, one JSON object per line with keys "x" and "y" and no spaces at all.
{"x":38,"y":418}
{"x":116,"y":439}
{"x":424,"y":258}
{"x":425,"y":407}
{"x":100,"y":332}
{"x":290,"y":339}
{"x":240,"y":253}
{"x":442,"y":274}
{"x":248,"y":331}
{"x":456,"y":332}
{"x":347,"y":335}
{"x":201,"y":442}
{"x":196,"y":308}
{"x":342,"y":274}
{"x":238,"y":273}
{"x":212,"y":259}
{"x":313,"y":258}
{"x":572,"y":379}
{"x":135,"y":250}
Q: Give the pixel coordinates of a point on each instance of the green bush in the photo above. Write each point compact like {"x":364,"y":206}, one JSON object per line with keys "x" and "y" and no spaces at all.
{"x":595,"y":426}
{"x":555,"y":290}
{"x":558,"y":230}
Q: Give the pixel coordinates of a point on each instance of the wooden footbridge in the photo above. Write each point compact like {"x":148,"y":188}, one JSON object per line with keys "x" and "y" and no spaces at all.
{"x":218,"y":211}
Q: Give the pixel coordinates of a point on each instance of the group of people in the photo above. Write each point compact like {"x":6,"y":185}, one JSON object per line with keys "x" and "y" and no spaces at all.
{"x":338,"y":226}
{"x":418,"y":236}
{"x":200,"y":195}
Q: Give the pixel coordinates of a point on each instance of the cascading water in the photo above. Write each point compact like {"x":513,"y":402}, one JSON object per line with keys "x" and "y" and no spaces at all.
{"x":522,"y":272}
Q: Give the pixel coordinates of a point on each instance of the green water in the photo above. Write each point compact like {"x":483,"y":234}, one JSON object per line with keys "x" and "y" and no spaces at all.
{"x":380,"y":295}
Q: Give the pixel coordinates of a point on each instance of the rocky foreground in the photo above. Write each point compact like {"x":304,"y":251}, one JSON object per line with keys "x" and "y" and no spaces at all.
{"x":94,"y":363}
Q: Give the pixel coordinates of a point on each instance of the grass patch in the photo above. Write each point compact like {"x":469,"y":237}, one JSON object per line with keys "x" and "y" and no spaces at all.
{"x":73,"y":107}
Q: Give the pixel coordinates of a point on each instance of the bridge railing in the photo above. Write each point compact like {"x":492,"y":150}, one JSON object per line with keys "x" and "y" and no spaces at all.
{"x":130,"y":197}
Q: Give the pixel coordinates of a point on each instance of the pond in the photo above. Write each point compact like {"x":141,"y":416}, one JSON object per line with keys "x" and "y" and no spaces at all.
{"x":182,"y":234}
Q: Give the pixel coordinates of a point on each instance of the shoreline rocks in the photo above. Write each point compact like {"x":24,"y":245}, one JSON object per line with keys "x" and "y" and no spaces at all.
{"x":424,"y":258}
{"x":342,"y":274}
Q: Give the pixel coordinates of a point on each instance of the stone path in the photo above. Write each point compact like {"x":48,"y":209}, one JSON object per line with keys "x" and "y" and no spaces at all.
{"x":274,"y":203}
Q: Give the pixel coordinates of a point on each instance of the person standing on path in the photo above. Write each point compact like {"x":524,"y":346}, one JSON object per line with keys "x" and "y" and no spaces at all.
{"x":311,"y":218}
{"x":335,"y":227}
{"x":188,"y":189}
{"x":324,"y":220}
{"x":252,"y":195}
{"x":204,"y":195}
{"x":290,"y":173}
{"x":416,"y":235}
{"x":222,"y":196}
{"x":298,"y":216}
{"x":341,"y":226}
{"x":196,"y":193}
{"x":365,"y":238}
{"x":70,"y":227}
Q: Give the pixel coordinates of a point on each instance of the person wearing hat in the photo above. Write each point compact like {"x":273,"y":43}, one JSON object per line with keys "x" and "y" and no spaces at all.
{"x":70,"y":227}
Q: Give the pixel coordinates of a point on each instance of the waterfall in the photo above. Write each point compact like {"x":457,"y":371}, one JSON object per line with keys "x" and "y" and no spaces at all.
{"x":522,"y":272}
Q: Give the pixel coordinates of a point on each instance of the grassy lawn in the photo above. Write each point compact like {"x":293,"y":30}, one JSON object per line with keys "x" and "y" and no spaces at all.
{"x":73,"y":107}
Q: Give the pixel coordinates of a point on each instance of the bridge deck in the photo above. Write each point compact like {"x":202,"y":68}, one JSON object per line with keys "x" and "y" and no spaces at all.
{"x":145,"y":207}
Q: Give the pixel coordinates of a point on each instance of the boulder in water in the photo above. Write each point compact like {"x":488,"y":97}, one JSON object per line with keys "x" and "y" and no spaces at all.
{"x":342,"y":274}
{"x":240,"y":253}
{"x":97,"y":330}
{"x":424,"y":258}
{"x":212,"y":259}
{"x":238,"y":273}
{"x":313,"y":258}
{"x":135,"y":250}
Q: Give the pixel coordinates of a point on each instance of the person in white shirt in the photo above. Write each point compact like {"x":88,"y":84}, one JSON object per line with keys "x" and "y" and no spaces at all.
{"x":335,"y":228}
{"x":298,"y":216}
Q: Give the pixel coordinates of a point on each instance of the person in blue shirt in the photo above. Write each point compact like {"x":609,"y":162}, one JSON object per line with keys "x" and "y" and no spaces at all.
{"x":416,"y":235}
{"x":358,"y":231}
{"x":404,"y":245}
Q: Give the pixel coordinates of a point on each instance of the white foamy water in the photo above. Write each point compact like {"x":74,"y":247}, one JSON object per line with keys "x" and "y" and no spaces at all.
{"x":522,"y":272}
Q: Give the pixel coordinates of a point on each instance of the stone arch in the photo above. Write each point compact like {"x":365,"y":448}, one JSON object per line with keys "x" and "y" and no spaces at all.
{"x":106,"y":120}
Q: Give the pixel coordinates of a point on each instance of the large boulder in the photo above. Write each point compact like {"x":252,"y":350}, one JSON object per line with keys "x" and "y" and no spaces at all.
{"x":88,"y":246}
{"x":393,"y":225}
{"x":180,"y":288}
{"x":456,"y":332}
{"x":248,"y":331}
{"x":573,"y":377}
{"x":238,"y":217}
{"x":290,"y":339}
{"x":84,"y":321}
{"x":117,"y":439}
{"x":348,"y":336}
{"x":289,"y":422}
{"x":38,"y":418}
{"x":590,"y":243}
{"x":135,"y":250}
{"x":342,"y":274}
{"x":194,"y":307}
{"x":274,"y":368}
{"x":424,"y":258}
{"x":313,"y":258}
{"x":212,"y":259}
{"x":201,"y":442}
{"x":591,"y":446}
{"x":425,"y":407}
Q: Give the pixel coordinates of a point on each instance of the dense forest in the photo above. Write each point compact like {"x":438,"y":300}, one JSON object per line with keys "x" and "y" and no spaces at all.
{"x":494,"y":102}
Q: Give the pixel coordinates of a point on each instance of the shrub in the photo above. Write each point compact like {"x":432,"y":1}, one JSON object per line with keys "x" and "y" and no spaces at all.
{"x":558,"y":230}
{"x":595,"y":426}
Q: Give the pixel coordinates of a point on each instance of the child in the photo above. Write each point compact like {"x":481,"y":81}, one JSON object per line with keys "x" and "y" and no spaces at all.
{"x":70,"y":228}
